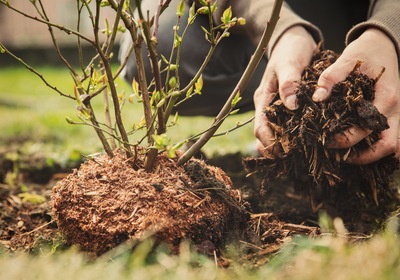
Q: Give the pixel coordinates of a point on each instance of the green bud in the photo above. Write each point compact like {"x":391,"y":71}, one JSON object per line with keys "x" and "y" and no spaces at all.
{"x":104,"y":3}
{"x":203,"y":2}
{"x":234,"y":112}
{"x":241,"y":21}
{"x":175,"y":94}
{"x":172,"y":82}
{"x":172,"y":67}
{"x":161,"y":103}
{"x":69,"y":120}
{"x":203,"y":11}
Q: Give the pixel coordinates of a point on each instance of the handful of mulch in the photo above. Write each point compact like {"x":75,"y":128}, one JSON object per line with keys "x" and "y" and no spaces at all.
{"x":302,"y":137}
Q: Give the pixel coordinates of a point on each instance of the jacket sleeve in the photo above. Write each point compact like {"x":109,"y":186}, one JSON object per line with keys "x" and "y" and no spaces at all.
{"x":257,"y":14}
{"x":384,"y":15}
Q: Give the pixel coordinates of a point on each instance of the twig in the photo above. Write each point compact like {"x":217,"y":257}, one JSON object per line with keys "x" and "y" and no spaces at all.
{"x":30,"y":68}
{"x":38,"y":228}
{"x":266,"y":36}
{"x":113,"y":90}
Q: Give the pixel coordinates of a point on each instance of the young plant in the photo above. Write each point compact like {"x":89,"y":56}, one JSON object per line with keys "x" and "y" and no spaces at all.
{"x":159,"y":97}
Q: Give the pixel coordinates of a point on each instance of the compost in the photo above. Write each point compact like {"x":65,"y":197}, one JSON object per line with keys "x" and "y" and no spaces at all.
{"x":359,"y":194}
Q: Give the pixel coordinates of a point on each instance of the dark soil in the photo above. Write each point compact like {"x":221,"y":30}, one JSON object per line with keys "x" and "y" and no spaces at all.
{"x":362,"y":196}
{"x":204,"y":216}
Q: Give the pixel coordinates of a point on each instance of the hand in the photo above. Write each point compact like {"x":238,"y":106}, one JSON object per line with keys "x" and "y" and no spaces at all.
{"x":291,"y":54}
{"x":375,"y":49}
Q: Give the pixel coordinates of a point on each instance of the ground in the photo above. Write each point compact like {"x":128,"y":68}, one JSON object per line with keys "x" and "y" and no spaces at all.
{"x":28,"y":224}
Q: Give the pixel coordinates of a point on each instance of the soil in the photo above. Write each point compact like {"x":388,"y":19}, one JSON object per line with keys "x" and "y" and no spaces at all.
{"x":302,"y":137}
{"x":29,"y":227}
{"x":106,"y":202}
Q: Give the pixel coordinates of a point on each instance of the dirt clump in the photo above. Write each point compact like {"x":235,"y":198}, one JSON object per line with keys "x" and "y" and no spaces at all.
{"x":359,"y":194}
{"x":106,"y":202}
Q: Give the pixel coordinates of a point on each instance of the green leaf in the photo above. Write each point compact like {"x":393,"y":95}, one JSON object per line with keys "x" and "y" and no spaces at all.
{"x":127,"y":4}
{"x":161,"y":141}
{"x":135,"y":87}
{"x":236,"y":99}
{"x":192,"y":14}
{"x":227,"y":15}
{"x":198,"y":86}
{"x":2,"y":49}
{"x":175,"y":120}
{"x":121,"y":29}
{"x":181,"y":8}
{"x":214,"y":7}
{"x":189,"y":92}
{"x":177,"y":40}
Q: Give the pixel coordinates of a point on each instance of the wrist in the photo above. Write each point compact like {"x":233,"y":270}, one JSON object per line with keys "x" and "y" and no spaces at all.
{"x":294,"y":36}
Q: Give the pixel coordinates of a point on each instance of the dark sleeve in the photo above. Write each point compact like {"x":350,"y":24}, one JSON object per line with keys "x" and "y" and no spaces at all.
{"x":384,"y":15}
{"x":257,"y":13}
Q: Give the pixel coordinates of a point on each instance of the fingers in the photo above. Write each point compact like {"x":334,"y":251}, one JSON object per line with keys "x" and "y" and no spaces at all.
{"x":387,"y":145}
{"x":335,"y":73}
{"x":289,"y":78}
{"x":262,"y":98}
{"x":349,"y":138}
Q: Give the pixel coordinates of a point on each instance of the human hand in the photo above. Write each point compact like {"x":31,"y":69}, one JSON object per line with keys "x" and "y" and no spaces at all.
{"x":291,"y":54}
{"x":375,"y":49}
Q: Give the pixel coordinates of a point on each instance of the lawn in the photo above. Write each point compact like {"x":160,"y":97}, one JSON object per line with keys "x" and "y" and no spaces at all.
{"x":32,"y":121}
{"x":30,"y":109}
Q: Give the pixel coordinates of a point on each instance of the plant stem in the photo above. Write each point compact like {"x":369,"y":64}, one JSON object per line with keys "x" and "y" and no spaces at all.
{"x":226,"y":109}
{"x":161,"y":128}
{"x":110,"y":79}
{"x":99,"y":132}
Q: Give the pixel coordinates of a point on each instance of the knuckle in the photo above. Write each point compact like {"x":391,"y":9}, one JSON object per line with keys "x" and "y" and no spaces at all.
{"x":390,"y":147}
{"x":287,"y":88}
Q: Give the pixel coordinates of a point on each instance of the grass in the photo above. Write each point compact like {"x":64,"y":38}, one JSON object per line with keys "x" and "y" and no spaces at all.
{"x":32,"y":111}
{"x":328,"y":257}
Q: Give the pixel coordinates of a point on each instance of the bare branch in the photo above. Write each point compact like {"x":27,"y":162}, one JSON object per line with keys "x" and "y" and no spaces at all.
{"x":30,"y":68}
{"x":255,"y":59}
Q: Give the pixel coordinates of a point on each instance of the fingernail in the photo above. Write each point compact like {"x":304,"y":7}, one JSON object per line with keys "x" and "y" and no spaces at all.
{"x":320,"y":94}
{"x":291,"y":103}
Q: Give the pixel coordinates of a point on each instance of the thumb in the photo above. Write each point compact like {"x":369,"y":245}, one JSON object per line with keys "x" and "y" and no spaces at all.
{"x":328,"y":78}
